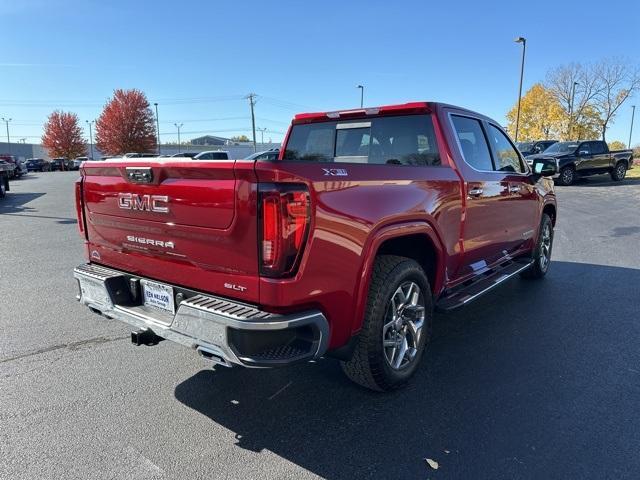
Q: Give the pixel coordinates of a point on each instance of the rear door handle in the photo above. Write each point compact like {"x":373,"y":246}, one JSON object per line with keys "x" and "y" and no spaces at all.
{"x":475,"y":192}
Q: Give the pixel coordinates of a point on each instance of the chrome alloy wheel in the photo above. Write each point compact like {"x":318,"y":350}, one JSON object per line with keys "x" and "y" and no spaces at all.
{"x":621,"y":171}
{"x":403,"y":325}
{"x":567,"y":176}
{"x":545,"y":248}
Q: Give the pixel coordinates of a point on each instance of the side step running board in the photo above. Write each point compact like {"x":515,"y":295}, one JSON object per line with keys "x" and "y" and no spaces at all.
{"x":484,"y":283}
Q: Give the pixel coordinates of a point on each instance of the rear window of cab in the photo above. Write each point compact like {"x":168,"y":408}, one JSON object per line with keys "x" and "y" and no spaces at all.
{"x":400,"y":140}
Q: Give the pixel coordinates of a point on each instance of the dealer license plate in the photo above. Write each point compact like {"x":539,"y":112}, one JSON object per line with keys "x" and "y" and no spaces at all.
{"x":158,"y":296}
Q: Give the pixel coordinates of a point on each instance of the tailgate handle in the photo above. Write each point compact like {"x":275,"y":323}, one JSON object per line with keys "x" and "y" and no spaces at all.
{"x":139,"y":174}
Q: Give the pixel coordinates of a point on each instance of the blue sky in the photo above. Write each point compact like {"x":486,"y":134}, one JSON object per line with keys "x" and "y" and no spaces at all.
{"x":198,"y":59}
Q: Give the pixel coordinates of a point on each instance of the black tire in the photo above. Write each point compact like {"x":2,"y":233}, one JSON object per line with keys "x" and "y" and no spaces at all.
{"x":619,"y":172}
{"x":567,"y":176}
{"x":541,"y":255}
{"x":3,"y":187}
{"x":370,"y":366}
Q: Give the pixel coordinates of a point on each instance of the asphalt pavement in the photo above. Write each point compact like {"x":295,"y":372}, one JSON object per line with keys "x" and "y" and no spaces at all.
{"x":536,"y":380}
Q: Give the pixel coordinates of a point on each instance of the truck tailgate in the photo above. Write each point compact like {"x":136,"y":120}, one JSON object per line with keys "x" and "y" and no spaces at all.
{"x":184,"y":222}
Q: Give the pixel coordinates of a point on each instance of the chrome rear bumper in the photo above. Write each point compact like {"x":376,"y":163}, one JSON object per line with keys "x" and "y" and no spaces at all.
{"x":227,"y":332}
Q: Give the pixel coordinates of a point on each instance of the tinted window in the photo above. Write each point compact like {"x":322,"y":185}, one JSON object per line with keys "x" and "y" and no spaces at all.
{"x":584,"y":149}
{"x":219,"y":156}
{"x":472,"y":142}
{"x":507,"y":158}
{"x":403,"y":140}
{"x":597,"y":148}
{"x":312,"y":142}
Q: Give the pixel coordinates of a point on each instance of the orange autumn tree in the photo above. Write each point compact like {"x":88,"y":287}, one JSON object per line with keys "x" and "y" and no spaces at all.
{"x":126,"y":124}
{"x":63,"y":136}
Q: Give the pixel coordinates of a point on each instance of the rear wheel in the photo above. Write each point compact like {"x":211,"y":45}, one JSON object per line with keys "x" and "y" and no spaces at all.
{"x":567,"y":176}
{"x":542,"y":252}
{"x":397,"y":325}
{"x":619,"y":172}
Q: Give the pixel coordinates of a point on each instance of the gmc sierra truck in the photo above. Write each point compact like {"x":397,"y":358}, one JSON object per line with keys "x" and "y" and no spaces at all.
{"x":583,"y":159}
{"x":342,"y":246}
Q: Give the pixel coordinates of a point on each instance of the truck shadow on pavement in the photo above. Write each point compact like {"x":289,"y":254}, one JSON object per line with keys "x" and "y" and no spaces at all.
{"x":536,"y":379}
{"x":603,"y":181}
{"x":15,"y":204}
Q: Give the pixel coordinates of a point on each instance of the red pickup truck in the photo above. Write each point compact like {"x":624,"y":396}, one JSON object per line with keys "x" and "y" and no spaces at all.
{"x":343,"y":246}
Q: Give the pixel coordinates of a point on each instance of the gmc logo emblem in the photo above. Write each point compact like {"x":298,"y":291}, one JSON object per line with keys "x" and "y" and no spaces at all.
{"x":145,"y":203}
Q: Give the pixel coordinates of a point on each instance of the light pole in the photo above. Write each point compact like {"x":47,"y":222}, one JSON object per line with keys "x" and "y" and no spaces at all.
{"x":6,"y":121}
{"x":523,"y":41}
{"x":179,"y":126}
{"x":157,"y":128}
{"x":90,"y":136}
{"x":633,"y":113}
{"x":262,"y":130}
{"x":573,"y":95}
{"x":361,"y":87}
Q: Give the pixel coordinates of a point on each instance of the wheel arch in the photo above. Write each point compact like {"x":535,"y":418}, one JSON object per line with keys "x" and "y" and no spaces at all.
{"x":551,"y":210}
{"x":416,"y":240}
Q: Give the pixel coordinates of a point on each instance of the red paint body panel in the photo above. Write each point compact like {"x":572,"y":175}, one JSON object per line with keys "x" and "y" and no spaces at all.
{"x":214,"y":221}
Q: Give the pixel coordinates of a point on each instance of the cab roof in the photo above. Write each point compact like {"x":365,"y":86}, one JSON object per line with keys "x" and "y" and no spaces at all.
{"x":396,"y":109}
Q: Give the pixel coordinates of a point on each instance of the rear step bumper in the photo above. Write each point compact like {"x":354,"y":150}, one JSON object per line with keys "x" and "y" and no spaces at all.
{"x":224,"y":331}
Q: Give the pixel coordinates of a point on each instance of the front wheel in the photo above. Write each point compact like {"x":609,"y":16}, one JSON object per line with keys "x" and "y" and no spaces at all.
{"x":567,"y":176}
{"x":619,"y":172}
{"x":397,"y":325}
{"x":542,"y":251}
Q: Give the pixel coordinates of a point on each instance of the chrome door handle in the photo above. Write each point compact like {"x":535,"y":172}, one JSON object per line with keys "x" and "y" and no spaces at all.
{"x":476,"y":192}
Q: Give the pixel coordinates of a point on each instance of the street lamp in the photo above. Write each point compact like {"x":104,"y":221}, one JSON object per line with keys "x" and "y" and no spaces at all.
{"x":90,"y":135}
{"x":573,"y":95}
{"x":523,"y":41}
{"x":157,"y":128}
{"x":361,"y":87}
{"x":6,"y":121}
{"x":179,"y":126}
{"x":262,"y":130}
{"x":633,"y":113}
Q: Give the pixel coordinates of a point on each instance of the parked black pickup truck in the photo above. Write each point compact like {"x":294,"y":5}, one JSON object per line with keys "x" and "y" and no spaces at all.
{"x":533,"y":148}
{"x":582,"y":159}
{"x":6,"y":169}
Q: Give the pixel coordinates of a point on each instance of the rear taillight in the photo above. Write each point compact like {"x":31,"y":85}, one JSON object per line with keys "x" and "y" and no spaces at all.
{"x":285,"y":214}
{"x":79,"y":209}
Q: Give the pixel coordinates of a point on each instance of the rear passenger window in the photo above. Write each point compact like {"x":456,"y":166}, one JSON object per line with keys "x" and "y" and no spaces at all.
{"x":597,"y":148}
{"x":401,"y":140}
{"x":507,"y":158}
{"x":472,"y":142}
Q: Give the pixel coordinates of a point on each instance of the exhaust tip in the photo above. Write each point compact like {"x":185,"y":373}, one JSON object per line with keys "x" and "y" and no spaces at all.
{"x":213,"y":356}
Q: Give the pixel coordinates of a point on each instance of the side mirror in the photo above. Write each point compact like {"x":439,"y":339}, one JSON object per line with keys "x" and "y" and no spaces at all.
{"x":545,"y":167}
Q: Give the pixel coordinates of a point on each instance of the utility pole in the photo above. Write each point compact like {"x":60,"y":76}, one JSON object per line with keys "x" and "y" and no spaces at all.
{"x":573,"y":95}
{"x":361,"y":87}
{"x":90,"y":136}
{"x":252,"y":102}
{"x":523,"y":41}
{"x":6,"y":121}
{"x":633,"y":114}
{"x":262,"y":130}
{"x":157,"y":128}
{"x":178,"y":127}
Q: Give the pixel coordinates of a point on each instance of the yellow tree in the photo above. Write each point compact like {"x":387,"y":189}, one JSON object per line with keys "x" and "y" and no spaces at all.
{"x":541,"y":115}
{"x":617,"y":145}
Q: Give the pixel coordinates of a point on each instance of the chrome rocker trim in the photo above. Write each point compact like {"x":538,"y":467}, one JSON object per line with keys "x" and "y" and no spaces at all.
{"x":201,"y":322}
